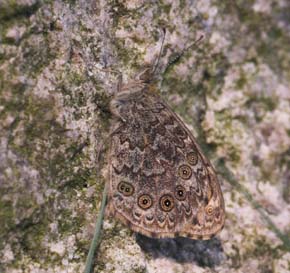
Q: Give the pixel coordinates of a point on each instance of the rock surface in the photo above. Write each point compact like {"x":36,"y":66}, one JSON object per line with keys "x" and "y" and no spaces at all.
{"x":57,"y":63}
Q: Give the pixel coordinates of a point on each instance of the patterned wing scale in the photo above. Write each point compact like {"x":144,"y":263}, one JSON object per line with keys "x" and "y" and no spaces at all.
{"x":161,"y":185}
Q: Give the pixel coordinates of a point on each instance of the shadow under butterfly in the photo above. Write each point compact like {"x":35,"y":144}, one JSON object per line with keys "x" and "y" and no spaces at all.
{"x":183,"y":250}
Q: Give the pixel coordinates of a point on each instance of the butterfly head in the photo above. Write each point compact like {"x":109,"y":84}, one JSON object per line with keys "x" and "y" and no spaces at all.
{"x":121,"y":103}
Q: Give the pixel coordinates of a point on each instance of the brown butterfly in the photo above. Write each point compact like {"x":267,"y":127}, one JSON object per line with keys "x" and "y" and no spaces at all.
{"x":161,"y":184}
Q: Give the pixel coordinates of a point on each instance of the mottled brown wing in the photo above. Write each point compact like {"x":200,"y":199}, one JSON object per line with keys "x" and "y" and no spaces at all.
{"x":161,"y":185}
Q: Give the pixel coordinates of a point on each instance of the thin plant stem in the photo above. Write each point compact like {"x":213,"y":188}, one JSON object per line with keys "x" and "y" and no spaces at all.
{"x":96,"y":240}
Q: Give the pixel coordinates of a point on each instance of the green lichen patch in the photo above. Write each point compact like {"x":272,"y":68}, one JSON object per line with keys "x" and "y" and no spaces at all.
{"x":11,"y":10}
{"x":26,"y":236}
{"x":269,"y":37}
{"x":261,"y":105}
{"x":6,"y":218}
{"x":121,"y":12}
{"x":36,"y":55}
{"x":284,"y":162}
{"x":128,"y":56}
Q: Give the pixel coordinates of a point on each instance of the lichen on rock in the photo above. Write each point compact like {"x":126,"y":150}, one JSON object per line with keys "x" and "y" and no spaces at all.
{"x":59,"y":66}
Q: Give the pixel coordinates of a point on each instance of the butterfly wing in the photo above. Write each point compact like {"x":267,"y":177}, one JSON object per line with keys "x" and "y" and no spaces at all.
{"x":161,"y":184}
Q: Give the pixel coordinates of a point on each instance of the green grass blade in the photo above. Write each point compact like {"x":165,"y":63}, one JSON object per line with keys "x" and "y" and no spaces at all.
{"x":96,"y":240}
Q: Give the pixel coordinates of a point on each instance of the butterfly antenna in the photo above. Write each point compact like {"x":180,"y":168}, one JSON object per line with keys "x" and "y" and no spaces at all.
{"x":176,"y":58}
{"x":160,"y":52}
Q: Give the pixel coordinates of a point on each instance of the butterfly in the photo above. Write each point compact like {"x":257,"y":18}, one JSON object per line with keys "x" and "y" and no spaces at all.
{"x":160,"y":182}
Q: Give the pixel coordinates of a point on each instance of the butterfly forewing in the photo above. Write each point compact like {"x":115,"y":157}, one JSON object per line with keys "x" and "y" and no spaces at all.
{"x":161,"y":184}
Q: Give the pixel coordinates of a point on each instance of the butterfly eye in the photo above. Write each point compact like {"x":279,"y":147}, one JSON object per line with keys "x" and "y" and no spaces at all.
{"x":192,"y":158}
{"x":209,"y":210}
{"x":167,"y":202}
{"x":125,"y":188}
{"x":145,"y":201}
{"x":180,"y":193}
{"x":184,"y":171}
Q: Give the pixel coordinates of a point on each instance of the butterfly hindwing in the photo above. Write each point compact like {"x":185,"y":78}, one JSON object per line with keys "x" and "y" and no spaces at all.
{"x":161,"y":184}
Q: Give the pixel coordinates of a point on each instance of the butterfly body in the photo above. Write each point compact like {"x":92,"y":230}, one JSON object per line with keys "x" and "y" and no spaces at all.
{"x":161,"y":185}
